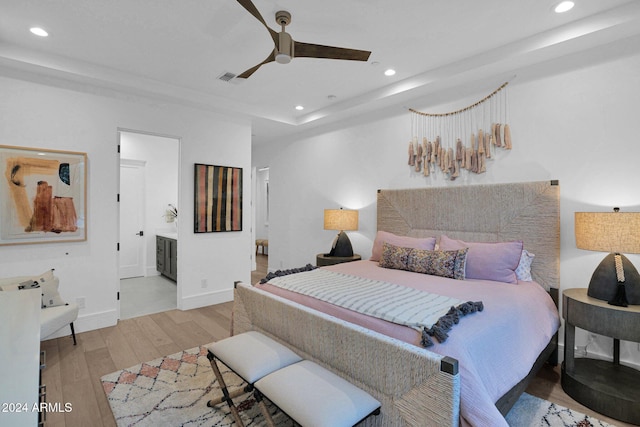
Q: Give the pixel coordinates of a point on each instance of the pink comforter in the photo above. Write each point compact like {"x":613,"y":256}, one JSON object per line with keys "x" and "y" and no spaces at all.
{"x":495,"y":348}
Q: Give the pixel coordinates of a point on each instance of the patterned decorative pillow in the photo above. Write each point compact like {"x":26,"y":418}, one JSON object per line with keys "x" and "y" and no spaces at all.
{"x":46,"y":276}
{"x":50,"y":295}
{"x":523,"y":271}
{"x":48,"y":284}
{"x":24,"y":282}
{"x":28,"y":284}
{"x":394,"y":257}
{"x":449,"y":264}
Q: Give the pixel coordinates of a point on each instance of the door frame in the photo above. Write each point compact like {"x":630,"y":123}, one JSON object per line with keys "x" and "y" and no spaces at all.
{"x":119,"y":132}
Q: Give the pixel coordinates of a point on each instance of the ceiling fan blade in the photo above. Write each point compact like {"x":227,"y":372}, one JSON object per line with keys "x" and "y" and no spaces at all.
{"x":252,"y":9}
{"x":310,"y":50}
{"x":250,"y":71}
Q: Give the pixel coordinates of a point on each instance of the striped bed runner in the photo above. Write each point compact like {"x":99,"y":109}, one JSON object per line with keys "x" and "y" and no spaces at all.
{"x":394,"y":303}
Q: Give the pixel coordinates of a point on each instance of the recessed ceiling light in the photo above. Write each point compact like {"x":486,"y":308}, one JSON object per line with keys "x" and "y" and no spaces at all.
{"x":299,"y":107}
{"x":564,"y":6}
{"x":38,"y":31}
{"x":390,"y":72}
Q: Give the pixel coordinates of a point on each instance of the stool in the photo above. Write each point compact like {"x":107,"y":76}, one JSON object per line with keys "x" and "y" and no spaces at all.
{"x":251,"y":355}
{"x":261,"y":243}
{"x":315,"y":397}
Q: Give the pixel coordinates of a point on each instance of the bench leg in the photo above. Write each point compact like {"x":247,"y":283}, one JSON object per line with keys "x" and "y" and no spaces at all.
{"x":263,"y":407}
{"x":226,"y":396}
{"x":73,"y":333}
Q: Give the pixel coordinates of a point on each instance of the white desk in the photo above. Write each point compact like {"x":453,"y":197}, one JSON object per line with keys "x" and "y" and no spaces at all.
{"x":19,"y":357}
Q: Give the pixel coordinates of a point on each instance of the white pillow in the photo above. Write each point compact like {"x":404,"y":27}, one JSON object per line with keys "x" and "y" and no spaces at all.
{"x":523,"y":271}
{"x":46,"y":282}
{"x":12,"y":283}
{"x":47,"y":275}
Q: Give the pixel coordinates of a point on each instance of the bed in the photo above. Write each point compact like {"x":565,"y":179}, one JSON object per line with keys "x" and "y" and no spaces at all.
{"x":476,"y":374}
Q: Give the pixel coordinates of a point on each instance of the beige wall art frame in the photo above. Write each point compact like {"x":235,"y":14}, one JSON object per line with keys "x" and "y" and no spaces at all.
{"x":43,"y":195}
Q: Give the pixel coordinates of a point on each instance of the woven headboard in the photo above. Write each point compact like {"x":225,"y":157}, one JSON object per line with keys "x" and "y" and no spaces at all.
{"x":527,"y":211}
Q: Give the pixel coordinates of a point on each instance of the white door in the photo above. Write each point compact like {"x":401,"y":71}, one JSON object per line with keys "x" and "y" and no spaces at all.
{"x":132,"y":241}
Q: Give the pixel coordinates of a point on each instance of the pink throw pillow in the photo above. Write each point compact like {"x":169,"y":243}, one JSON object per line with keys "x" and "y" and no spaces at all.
{"x":428,"y":243}
{"x":488,"y":261}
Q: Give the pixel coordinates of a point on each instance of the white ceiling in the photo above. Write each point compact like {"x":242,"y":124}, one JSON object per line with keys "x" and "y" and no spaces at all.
{"x":175,"y":50}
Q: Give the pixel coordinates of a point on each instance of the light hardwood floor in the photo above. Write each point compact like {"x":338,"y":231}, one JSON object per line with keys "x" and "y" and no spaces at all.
{"x":72,"y":373}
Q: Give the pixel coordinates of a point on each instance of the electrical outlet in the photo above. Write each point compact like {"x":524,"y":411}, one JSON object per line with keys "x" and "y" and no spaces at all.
{"x":81,"y":302}
{"x":203,"y":283}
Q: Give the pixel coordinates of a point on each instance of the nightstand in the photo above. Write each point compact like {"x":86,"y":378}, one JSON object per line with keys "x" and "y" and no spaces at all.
{"x":604,"y":386}
{"x":325,"y":259}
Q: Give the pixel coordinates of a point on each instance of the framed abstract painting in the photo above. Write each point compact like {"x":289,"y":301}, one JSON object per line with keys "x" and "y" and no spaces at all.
{"x":43,"y":195}
{"x":218,"y":199}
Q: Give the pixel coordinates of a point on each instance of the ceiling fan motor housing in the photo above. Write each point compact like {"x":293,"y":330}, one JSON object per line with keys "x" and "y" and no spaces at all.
{"x":284,"y":49}
{"x":284,"y":52}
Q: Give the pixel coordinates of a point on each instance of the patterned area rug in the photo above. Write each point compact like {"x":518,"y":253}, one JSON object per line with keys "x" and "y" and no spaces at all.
{"x":530,"y":411}
{"x":174,"y":391}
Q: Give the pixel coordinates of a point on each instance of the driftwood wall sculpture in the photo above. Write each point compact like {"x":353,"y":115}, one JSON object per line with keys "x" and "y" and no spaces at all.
{"x":460,"y":140}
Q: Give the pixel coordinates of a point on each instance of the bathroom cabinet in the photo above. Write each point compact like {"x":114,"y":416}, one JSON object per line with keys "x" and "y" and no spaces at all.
{"x":167,"y":257}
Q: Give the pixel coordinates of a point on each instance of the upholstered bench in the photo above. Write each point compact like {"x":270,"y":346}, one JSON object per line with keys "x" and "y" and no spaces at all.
{"x":306,"y":392}
{"x":251,"y":356}
{"x":315,"y":397}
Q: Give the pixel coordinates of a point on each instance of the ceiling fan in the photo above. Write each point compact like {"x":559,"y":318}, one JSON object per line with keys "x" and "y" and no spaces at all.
{"x":286,"y":48}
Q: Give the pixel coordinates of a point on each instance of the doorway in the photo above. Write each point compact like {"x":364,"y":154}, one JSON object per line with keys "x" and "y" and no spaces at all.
{"x":149,"y":171}
{"x":261,"y":219}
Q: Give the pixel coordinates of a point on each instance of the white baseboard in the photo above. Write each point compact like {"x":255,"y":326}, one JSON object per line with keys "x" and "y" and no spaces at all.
{"x":88,"y":323}
{"x":151,"y":271}
{"x":205,"y":299}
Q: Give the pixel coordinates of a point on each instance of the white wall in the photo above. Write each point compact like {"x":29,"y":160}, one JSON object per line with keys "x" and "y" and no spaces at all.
{"x":161,"y":157}
{"x":34,"y":115}
{"x":579,"y":127}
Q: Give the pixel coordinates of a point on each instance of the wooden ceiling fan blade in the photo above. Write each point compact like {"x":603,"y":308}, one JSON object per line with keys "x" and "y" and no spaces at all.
{"x":253,"y":10}
{"x":250,"y":71}
{"x":310,"y":50}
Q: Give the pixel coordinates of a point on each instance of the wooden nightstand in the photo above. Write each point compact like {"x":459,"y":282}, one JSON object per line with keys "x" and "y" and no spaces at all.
{"x":606,"y":387}
{"x":325,"y":259}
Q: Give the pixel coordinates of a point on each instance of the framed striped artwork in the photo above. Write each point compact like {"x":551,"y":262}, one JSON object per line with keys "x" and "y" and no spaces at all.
{"x":218,"y":199}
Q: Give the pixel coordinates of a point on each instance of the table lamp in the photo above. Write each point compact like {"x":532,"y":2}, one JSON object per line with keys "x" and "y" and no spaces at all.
{"x":342,"y":220}
{"x":615,"y":280}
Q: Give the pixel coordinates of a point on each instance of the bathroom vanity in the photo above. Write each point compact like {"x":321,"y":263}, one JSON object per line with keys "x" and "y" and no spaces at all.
{"x":167,"y":255}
